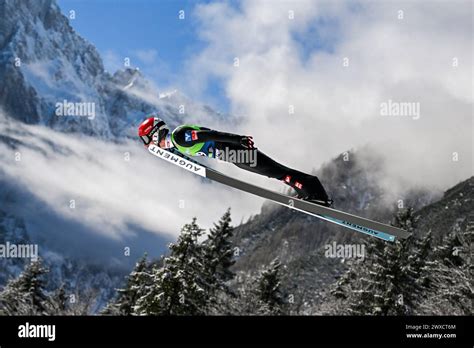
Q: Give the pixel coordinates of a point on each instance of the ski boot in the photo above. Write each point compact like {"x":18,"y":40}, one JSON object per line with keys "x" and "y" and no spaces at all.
{"x":308,"y":188}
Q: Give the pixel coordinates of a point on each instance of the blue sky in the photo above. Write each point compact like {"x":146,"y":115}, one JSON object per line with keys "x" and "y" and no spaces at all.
{"x":151,"y":35}
{"x":148,"y":32}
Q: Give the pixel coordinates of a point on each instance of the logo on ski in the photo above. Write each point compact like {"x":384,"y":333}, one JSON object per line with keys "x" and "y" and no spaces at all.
{"x":177,"y":160}
{"x":365,"y":229}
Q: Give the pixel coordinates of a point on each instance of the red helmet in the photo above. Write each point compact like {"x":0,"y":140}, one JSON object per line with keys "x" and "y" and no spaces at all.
{"x":153,"y":129}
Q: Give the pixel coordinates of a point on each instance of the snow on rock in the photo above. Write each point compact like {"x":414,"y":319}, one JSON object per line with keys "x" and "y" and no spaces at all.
{"x":43,"y":62}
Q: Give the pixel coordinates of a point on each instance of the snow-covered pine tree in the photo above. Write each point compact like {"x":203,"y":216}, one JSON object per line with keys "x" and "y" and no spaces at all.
{"x":392,"y":277}
{"x":339,"y":288}
{"x":218,"y":252}
{"x":26,"y":294}
{"x":218,"y":259}
{"x":406,"y":219}
{"x":339,"y":294}
{"x":128,"y":296}
{"x":269,"y":293}
{"x":419,"y":268}
{"x":452,"y":271}
{"x":149,"y":301}
{"x":59,"y":301}
{"x":178,"y":287}
{"x":372,"y":291}
{"x":454,"y":249}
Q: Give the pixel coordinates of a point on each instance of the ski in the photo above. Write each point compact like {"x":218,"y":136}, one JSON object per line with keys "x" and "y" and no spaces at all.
{"x":356,"y":223}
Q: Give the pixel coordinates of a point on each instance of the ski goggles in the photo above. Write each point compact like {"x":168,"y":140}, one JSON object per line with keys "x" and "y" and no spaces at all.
{"x":146,"y":139}
{"x":162,"y":130}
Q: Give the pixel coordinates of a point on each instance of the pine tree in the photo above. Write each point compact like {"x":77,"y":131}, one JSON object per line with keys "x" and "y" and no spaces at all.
{"x":339,"y":289}
{"x":218,"y":259}
{"x":340,"y":294}
{"x":420,"y":264}
{"x":380,"y":292}
{"x":452,"y":290}
{"x":178,"y":287}
{"x":26,"y":294}
{"x":218,"y":253}
{"x":395,"y":275}
{"x":269,"y":293}
{"x":58,"y":301}
{"x":453,"y":248}
{"x":127,"y":297}
{"x":391,"y":279}
{"x":406,"y":219}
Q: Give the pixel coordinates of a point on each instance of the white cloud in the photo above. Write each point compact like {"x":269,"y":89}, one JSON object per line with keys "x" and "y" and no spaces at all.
{"x":112,"y":61}
{"x":336,"y":107}
{"x":111,"y":193}
{"x":147,"y":56}
{"x":40,"y":70}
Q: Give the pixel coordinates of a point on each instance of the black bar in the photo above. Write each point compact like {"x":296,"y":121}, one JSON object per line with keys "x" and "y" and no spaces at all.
{"x":241,"y":330}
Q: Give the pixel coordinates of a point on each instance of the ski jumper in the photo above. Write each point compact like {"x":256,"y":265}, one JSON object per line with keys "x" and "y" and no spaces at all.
{"x":192,"y":140}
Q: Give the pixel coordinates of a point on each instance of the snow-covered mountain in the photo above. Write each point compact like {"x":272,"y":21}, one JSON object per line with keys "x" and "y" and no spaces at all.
{"x":43,"y":61}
